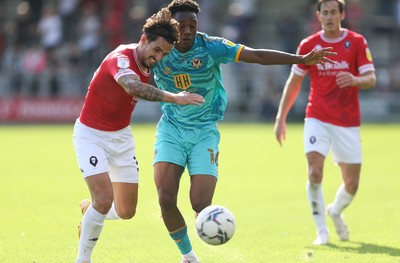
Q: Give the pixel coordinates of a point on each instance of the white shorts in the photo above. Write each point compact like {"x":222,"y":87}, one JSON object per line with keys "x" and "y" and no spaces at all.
{"x":112,"y":152}
{"x":345,"y":141}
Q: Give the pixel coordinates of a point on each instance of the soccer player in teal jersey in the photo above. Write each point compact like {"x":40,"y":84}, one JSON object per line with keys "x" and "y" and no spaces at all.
{"x":188,"y":136}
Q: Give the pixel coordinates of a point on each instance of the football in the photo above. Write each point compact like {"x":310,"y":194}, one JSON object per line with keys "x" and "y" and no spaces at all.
{"x":215,"y":225}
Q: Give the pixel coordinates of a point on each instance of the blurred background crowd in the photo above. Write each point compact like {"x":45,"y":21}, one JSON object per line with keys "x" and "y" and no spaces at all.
{"x":50,"y":48}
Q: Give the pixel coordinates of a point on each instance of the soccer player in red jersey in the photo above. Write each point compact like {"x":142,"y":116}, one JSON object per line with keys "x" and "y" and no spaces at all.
{"x":103,"y":141}
{"x":332,"y":113}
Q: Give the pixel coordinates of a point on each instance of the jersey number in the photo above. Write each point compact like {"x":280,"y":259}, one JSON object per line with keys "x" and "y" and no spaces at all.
{"x":213,"y":157}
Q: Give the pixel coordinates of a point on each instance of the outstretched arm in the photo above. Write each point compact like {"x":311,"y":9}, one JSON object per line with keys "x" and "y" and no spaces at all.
{"x":134,"y":87}
{"x":276,"y":57}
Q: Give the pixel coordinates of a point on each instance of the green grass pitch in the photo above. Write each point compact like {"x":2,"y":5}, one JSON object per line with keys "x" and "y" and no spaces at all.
{"x":262,"y":183}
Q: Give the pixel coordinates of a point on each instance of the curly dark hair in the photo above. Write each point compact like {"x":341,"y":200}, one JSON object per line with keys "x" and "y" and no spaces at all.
{"x":162,"y":25}
{"x":183,"y":6}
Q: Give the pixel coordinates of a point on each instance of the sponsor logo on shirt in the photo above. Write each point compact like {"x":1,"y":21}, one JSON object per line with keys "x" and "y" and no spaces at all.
{"x":338,"y":65}
{"x":182,"y":81}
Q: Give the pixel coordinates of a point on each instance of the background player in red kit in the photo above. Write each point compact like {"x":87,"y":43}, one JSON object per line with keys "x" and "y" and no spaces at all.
{"x":332,"y":113}
{"x":103,"y":140}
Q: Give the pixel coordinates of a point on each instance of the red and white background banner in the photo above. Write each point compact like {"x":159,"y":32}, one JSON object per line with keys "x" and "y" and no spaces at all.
{"x":40,"y":110}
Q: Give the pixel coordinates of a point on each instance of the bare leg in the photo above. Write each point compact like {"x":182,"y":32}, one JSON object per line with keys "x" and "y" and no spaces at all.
{"x":167,"y":177}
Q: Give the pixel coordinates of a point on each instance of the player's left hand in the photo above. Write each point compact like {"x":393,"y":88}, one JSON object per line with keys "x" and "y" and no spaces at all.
{"x":345,"y":79}
{"x":319,"y":56}
{"x":185,"y":98}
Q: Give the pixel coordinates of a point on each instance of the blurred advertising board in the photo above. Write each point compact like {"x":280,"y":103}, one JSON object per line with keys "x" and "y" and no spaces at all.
{"x":39,"y":109}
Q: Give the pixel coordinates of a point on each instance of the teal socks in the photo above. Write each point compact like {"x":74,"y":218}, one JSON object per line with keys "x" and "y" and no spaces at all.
{"x":182,"y":240}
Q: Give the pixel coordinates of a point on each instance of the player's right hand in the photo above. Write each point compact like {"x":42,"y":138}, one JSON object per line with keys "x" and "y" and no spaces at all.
{"x":280,"y":131}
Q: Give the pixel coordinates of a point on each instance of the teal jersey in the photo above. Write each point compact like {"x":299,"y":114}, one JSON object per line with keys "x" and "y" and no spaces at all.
{"x":196,"y":71}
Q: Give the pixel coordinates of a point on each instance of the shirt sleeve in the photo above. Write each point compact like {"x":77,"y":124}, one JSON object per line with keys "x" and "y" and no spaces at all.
{"x":119,"y":65}
{"x":364,"y":58}
{"x":223,"y":50}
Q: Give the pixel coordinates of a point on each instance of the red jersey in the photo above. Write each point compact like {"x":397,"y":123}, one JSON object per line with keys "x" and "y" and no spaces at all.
{"x":107,"y":106}
{"x":327,"y":102}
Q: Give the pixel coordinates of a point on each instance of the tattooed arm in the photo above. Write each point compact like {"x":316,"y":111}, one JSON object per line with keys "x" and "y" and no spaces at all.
{"x":134,"y":87}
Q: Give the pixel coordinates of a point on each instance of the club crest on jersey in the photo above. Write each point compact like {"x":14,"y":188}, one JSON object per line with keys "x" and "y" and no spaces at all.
{"x":122,"y":62}
{"x":347,"y":44}
{"x":197,"y":63}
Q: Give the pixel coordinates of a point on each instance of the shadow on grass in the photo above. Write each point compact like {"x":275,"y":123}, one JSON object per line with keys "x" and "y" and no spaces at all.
{"x":364,"y":248}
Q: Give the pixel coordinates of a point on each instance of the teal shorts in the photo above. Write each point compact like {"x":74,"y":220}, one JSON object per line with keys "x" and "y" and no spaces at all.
{"x":196,"y":149}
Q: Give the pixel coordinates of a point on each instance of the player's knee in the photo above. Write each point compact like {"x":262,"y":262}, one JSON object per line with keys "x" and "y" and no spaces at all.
{"x":126,"y":213}
{"x":198,"y":205}
{"x":102,"y":204}
{"x":351,"y":187}
{"x":315,"y":175}
{"x":166,"y":200}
